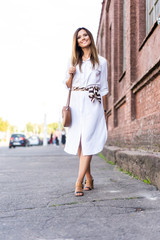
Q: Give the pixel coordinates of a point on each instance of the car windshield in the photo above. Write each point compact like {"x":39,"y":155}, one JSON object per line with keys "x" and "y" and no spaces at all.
{"x":18,"y":135}
{"x":33,"y":137}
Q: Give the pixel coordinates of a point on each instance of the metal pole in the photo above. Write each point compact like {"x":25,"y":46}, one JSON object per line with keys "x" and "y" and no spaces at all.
{"x":45,"y":130}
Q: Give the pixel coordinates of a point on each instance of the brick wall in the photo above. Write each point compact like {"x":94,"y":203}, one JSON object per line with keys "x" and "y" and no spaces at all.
{"x":133,"y":74}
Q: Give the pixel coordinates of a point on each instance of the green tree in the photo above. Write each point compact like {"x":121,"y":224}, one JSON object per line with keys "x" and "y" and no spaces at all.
{"x":12,"y":128}
{"x":52,"y":127}
{"x":3,"y":125}
{"x":30,"y":127}
{"x":34,"y":128}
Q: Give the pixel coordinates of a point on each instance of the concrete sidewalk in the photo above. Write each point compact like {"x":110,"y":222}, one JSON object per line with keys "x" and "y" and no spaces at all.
{"x":37,"y":199}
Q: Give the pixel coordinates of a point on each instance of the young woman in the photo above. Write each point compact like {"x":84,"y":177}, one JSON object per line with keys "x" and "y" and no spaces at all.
{"x":87,"y":72}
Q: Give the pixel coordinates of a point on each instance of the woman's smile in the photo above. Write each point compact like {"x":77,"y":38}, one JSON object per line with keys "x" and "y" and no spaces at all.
{"x":83,"y":39}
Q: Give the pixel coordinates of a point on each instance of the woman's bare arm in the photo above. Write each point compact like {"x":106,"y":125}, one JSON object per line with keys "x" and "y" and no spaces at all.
{"x":105,"y":105}
{"x":71,"y":71}
{"x":69,"y":81}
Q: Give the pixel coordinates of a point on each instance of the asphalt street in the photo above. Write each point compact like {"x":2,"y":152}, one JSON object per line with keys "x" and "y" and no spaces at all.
{"x":37,"y":199}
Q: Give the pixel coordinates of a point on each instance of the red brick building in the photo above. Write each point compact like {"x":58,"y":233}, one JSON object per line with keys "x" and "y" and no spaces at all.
{"x":129,"y":38}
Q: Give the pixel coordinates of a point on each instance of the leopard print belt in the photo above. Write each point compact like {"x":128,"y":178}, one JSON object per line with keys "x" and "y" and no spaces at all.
{"x":93,"y":92}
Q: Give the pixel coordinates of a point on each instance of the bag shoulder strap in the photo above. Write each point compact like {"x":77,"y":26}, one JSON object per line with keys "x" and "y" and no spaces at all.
{"x":69,"y":94}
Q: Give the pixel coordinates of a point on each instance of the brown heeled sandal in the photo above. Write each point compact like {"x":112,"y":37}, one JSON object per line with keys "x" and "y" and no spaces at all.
{"x":79,"y":189}
{"x":89,"y":184}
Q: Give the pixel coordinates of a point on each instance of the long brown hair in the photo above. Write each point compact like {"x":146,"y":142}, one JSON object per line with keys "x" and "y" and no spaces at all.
{"x":77,"y":52}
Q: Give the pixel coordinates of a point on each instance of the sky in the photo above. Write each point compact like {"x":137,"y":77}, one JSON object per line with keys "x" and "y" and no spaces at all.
{"x":35,"y":45}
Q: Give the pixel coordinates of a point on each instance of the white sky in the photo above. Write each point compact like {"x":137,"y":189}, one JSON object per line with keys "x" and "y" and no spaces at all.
{"x":35,"y":44}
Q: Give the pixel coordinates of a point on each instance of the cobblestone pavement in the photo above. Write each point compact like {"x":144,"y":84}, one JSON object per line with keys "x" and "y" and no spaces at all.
{"x":37,"y":199}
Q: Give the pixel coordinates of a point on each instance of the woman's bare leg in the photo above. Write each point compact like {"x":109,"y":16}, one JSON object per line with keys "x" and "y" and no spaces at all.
{"x":79,"y":150}
{"x":84,"y":165}
{"x":88,"y":172}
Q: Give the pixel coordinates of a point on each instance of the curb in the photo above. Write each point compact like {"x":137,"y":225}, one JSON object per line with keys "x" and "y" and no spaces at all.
{"x":144,"y":165}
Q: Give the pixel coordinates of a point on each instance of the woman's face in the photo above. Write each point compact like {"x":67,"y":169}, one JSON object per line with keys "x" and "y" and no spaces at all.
{"x":83,"y":39}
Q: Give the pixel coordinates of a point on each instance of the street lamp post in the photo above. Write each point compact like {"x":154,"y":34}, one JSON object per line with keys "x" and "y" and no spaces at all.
{"x":45,"y":130}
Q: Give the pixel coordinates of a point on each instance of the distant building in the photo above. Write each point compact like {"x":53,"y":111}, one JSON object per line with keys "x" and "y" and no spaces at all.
{"x":129,"y":37}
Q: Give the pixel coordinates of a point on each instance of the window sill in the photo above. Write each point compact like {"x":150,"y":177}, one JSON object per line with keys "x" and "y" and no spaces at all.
{"x":148,"y":36}
{"x":120,"y":102}
{"x":109,"y":113}
{"x":122,"y":76}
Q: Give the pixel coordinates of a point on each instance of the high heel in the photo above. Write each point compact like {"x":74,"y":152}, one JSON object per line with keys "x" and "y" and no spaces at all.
{"x":89,"y":184}
{"x":79,"y":189}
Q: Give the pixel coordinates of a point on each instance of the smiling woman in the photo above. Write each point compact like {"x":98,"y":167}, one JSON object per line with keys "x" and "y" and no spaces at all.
{"x":87,"y":77}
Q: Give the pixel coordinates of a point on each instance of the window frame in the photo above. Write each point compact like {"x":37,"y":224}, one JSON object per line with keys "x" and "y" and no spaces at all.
{"x":151,"y":13}
{"x":124,"y":35}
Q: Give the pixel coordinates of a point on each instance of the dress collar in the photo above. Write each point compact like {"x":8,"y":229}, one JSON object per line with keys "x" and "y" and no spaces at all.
{"x":86,"y":60}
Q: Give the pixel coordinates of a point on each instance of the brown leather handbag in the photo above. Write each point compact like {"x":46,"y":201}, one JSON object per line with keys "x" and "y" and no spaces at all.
{"x":66,"y":111}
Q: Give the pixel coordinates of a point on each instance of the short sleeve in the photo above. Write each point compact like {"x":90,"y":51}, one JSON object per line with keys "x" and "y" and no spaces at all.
{"x":104,"y":80}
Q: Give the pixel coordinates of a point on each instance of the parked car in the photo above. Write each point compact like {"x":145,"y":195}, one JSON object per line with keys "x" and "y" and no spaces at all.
{"x":18,"y":140}
{"x":34,"y":141}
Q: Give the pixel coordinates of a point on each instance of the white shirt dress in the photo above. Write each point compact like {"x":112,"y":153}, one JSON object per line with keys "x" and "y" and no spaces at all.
{"x":88,"y":120}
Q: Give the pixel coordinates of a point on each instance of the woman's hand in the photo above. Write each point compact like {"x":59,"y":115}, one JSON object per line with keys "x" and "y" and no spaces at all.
{"x":105,"y":106}
{"x":72,"y":70}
